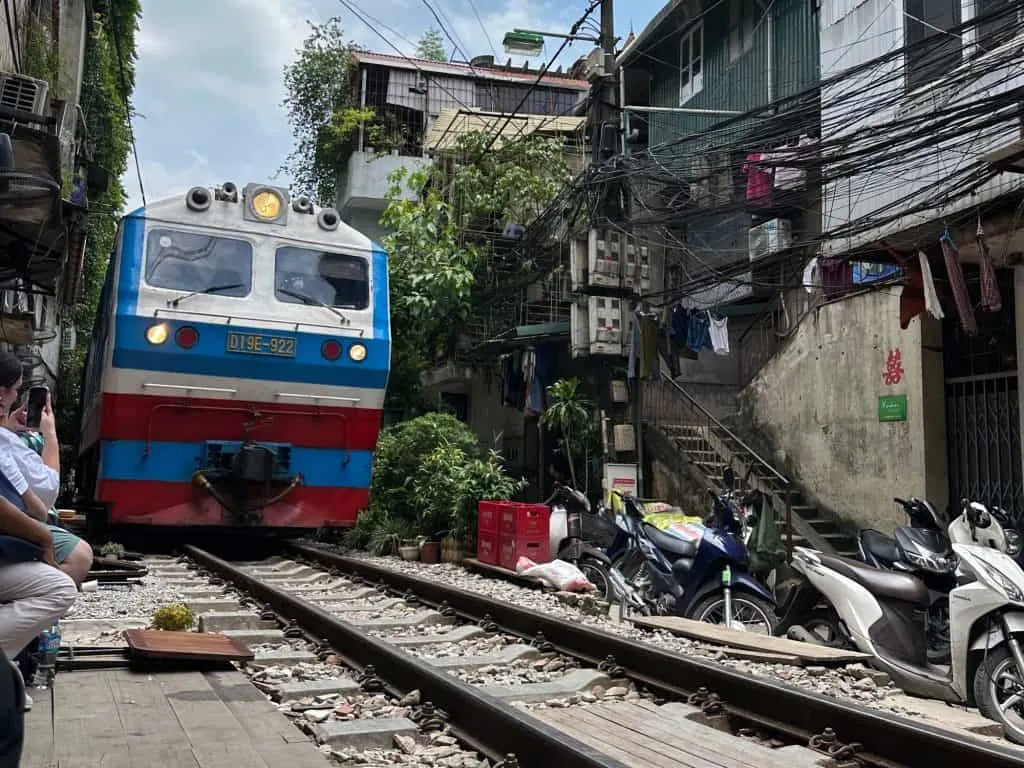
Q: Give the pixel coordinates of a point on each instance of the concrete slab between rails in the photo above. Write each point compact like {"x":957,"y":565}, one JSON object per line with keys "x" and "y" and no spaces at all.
{"x":424,"y":618}
{"x":313,"y":578}
{"x":199,"y":607}
{"x":308,"y":688}
{"x":940,"y":714}
{"x":120,"y":624}
{"x":367,"y":733}
{"x":455,"y":635}
{"x":255,"y":636}
{"x":577,"y":681}
{"x":168,"y":571}
{"x":507,"y":654}
{"x":233,"y":621}
{"x":209,"y":592}
{"x":333,"y":605}
{"x":298,"y":572}
{"x":305,"y":590}
{"x":283,"y":657}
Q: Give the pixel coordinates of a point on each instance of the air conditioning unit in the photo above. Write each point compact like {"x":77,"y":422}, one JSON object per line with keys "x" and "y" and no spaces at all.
{"x":23,"y":93}
{"x":769,"y":238}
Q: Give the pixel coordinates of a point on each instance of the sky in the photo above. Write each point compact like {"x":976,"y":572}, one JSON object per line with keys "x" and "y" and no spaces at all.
{"x":209,"y":73}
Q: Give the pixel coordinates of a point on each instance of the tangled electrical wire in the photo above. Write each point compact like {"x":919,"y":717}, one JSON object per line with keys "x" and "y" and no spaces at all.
{"x":881,"y":153}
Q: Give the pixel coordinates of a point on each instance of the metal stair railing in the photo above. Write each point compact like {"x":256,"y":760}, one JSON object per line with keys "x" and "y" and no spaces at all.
{"x":718,"y":435}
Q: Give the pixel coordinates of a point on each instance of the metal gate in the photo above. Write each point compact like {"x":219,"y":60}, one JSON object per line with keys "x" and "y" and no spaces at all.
{"x":983,"y":441}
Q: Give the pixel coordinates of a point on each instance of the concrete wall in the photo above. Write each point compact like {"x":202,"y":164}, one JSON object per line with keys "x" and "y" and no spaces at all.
{"x":364,"y":182}
{"x":6,"y":55}
{"x":816,"y":403}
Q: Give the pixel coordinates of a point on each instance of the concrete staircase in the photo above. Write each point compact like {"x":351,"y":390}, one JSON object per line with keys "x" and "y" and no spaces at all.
{"x":709,"y":446}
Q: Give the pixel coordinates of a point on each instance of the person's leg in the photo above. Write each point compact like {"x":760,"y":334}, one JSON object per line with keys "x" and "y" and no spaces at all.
{"x":12,"y":717}
{"x":73,"y":555}
{"x":32,"y":597}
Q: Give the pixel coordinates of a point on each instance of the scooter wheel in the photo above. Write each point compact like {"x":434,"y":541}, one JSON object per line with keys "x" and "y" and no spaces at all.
{"x":996,"y":681}
{"x":746,"y":607}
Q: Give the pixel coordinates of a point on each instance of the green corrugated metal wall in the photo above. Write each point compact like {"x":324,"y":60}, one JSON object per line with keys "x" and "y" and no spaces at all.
{"x":740,"y":85}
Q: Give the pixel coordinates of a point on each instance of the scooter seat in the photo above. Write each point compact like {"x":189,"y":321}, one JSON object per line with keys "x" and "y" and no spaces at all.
{"x":669,"y":543}
{"x":883,"y":548}
{"x":897,"y":586}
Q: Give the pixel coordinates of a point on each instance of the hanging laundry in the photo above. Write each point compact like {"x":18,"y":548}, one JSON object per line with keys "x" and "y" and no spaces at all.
{"x":931,"y":297}
{"x":793,"y":177}
{"x":531,"y":383}
{"x":913,"y":300}
{"x":958,"y":284}
{"x":812,"y":276}
{"x":868,"y":272}
{"x":666,"y":347}
{"x":545,"y":371}
{"x":991,"y":301}
{"x":512,"y":393}
{"x":718,"y":330}
{"x":836,"y":277}
{"x":759,"y":180}
{"x":680,"y":332}
{"x":633,"y":346}
{"x":698,"y":335}
{"x":649,"y":366}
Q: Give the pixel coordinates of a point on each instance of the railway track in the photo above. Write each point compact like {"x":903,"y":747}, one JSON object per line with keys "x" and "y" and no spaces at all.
{"x":323,"y":599}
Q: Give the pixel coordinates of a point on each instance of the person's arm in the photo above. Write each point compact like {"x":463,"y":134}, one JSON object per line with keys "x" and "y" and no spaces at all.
{"x":35,"y":507}
{"x":48,"y":429}
{"x":14,"y":522}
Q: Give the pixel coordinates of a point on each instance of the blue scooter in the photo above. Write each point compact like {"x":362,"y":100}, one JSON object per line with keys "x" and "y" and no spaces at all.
{"x":705,"y":577}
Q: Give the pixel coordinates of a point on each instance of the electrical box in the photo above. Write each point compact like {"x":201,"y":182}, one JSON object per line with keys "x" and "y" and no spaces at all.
{"x":620,"y":392}
{"x":624,"y":438}
{"x":637,"y":268}
{"x":622,"y":478}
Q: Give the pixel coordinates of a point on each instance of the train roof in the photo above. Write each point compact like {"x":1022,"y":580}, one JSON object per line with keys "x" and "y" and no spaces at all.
{"x":259,"y":209}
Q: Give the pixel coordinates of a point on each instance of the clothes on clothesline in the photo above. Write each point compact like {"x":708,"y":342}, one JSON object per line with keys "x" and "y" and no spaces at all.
{"x":718,"y":331}
{"x":957,"y":282}
{"x":759,"y":180}
{"x":525,"y":378}
{"x":643,"y":346}
{"x":836,"y":277}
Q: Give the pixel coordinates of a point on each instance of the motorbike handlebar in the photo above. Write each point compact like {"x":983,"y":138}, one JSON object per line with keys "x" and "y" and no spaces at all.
{"x":902,"y":502}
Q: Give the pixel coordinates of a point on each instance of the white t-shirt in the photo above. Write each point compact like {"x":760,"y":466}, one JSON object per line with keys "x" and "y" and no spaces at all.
{"x":26,"y":470}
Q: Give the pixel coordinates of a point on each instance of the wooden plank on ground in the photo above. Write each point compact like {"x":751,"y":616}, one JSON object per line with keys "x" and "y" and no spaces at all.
{"x":713,"y":633}
{"x":766,"y":657}
{"x":196,"y":646}
{"x":496,"y":570}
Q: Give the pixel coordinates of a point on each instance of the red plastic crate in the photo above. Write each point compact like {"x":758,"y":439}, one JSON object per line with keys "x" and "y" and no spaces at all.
{"x":537,"y":548}
{"x":525,"y":520}
{"x":487,"y":548}
{"x":488,"y":516}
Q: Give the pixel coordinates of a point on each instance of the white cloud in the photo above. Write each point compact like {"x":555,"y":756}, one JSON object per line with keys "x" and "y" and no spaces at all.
{"x":164,"y":180}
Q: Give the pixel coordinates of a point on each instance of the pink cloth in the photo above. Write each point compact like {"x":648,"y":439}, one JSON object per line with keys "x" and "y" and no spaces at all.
{"x":759,"y":180}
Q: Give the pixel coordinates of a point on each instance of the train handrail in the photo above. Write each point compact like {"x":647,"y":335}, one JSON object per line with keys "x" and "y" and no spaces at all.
{"x":296,"y":324}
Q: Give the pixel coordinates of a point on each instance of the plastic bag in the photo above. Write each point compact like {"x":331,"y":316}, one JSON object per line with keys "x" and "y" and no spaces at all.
{"x":563,"y":576}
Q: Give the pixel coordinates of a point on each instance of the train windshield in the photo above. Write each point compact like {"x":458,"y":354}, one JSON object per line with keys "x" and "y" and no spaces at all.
{"x":303,"y":275}
{"x":188,"y":261}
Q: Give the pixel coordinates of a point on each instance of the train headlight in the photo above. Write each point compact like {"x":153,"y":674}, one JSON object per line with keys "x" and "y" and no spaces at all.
{"x":157,"y":334}
{"x":267,"y":205}
{"x":357,"y":352}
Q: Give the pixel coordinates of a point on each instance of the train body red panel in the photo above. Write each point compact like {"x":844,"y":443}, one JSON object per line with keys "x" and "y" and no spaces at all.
{"x":238,"y":367}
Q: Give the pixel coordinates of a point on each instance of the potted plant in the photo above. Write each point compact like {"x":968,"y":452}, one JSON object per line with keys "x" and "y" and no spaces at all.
{"x":409,"y":549}
{"x":451,"y":550}
{"x":430,"y":551}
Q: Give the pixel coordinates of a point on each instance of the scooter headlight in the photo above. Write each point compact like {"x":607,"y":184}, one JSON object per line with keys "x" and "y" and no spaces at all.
{"x":1012,"y":542}
{"x":1002,"y":582}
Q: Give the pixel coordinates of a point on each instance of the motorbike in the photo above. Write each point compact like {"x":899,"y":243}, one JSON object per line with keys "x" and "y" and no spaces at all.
{"x":566,"y":537}
{"x":698,"y":572}
{"x":882,"y":613}
{"x":923,"y":549}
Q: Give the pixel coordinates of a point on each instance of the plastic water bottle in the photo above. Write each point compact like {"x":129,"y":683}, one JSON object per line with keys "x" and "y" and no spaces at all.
{"x":49,"y":647}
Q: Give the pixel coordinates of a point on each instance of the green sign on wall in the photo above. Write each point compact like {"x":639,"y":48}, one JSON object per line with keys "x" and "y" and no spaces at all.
{"x":892,"y":408}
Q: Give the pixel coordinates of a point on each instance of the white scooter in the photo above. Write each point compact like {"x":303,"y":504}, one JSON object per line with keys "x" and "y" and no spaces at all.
{"x":883,"y":613}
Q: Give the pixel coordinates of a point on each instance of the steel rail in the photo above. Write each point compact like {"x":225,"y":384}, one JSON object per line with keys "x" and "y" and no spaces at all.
{"x":886,"y":739}
{"x":489,"y":724}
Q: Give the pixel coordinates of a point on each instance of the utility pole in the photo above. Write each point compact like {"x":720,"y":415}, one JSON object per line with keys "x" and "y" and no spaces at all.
{"x":602,"y":108}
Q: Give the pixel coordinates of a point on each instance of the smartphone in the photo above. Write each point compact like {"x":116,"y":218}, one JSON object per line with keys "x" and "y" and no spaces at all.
{"x":37,"y":397}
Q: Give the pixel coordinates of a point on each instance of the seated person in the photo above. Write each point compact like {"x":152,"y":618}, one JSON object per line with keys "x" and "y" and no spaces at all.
{"x":33,"y":593}
{"x":12,"y":718}
{"x":74,"y":556}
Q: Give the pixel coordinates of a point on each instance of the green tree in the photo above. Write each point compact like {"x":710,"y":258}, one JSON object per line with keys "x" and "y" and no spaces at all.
{"x":443,"y":219}
{"x":107,"y":83}
{"x":322,"y":109}
{"x":431,"y":46}
{"x":571,"y":415}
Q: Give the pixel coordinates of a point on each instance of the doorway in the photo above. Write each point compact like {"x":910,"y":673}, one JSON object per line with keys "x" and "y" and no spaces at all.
{"x":982,"y":412}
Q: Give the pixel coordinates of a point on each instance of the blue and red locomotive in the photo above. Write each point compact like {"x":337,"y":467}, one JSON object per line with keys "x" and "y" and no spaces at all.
{"x":238,"y":365}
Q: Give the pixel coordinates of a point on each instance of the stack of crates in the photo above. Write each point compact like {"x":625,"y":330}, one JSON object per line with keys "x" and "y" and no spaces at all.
{"x":508,"y":530}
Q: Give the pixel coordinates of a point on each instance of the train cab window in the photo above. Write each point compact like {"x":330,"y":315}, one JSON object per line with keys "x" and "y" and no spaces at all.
{"x":305,"y":276}
{"x":189,"y":261}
